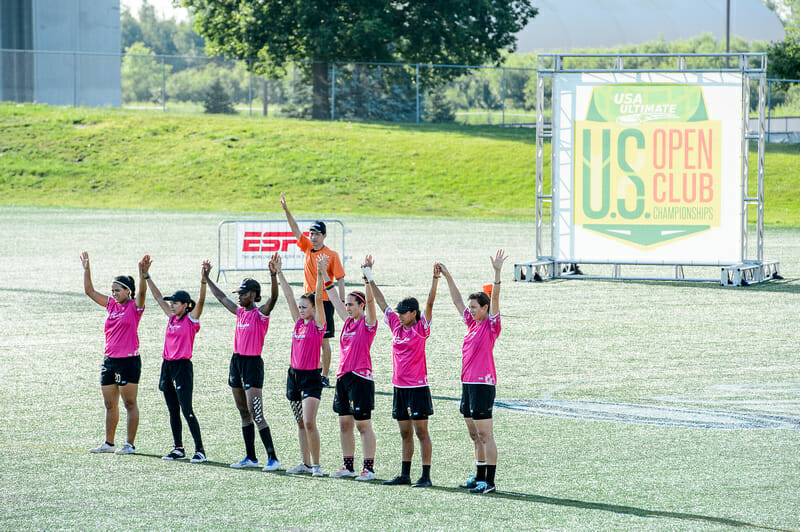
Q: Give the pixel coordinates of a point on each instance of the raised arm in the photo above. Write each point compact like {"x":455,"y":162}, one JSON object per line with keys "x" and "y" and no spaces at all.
{"x":369,"y":312}
{"x":220,"y":295}
{"x":319,"y":307}
{"x":88,"y":287}
{"x":205,"y":269}
{"x":142,"y":293}
{"x":366,"y":268}
{"x":330,"y":288}
{"x":287,"y":290}
{"x":437,"y":271}
{"x":266,"y":308}
{"x":144,"y":267}
{"x":497,"y":264}
{"x":455,"y":295}
{"x":291,"y":220}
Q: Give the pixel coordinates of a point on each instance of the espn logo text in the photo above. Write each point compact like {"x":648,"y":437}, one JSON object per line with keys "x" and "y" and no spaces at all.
{"x":267,"y":241}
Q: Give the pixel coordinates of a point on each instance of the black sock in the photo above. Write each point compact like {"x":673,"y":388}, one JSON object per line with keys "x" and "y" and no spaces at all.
{"x":481,"y":474}
{"x":348,"y":463}
{"x":109,"y":443}
{"x":490,"y":470}
{"x":266,"y":438}
{"x":405,"y":469}
{"x":249,"y":435}
{"x":369,"y":464}
{"x":426,"y":472}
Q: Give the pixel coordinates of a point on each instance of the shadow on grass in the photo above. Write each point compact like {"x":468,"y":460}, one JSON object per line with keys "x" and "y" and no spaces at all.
{"x":528,"y":497}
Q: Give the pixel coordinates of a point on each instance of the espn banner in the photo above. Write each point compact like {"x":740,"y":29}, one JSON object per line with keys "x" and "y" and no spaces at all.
{"x":648,"y":167}
{"x":257,"y":241}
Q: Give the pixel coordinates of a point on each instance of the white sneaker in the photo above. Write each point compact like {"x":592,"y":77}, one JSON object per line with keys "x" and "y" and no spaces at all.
{"x":246,"y":462}
{"x":316,"y":471}
{"x":126,"y":448}
{"x":175,"y":454}
{"x":105,"y":448}
{"x":300,"y":469}
{"x":343,"y":473}
{"x":366,"y":475}
{"x":272,"y":465}
{"x":198,"y":458}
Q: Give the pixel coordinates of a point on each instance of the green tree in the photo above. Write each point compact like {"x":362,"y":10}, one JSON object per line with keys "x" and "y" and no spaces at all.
{"x":218,"y":100}
{"x":470,"y":32}
{"x":141,"y":74}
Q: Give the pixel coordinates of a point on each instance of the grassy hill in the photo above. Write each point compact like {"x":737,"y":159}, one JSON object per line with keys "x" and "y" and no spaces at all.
{"x":114,"y":158}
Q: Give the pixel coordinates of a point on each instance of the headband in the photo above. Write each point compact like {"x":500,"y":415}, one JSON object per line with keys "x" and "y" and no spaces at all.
{"x":357,"y":296}
{"x":123,"y":284}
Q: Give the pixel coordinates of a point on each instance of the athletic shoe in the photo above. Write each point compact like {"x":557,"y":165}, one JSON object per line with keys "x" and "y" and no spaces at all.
{"x":199,"y":457}
{"x":423,"y":483}
{"x":126,"y":448}
{"x":175,"y":454}
{"x":299,"y":469}
{"x":397,"y":481}
{"x":246,"y":462}
{"x":343,"y":473}
{"x":483,"y":487}
{"x":105,"y":448}
{"x":469,"y":484}
{"x":316,"y":471}
{"x":326,"y":383}
{"x":366,"y":475}
{"x":272,"y":465}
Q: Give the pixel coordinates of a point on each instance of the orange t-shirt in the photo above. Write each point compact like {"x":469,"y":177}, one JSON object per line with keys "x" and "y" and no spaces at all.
{"x":335,"y":270}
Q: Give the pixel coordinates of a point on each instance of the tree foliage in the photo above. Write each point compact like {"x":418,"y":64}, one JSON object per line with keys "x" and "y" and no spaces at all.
{"x":163,"y":37}
{"x":471,"y":32}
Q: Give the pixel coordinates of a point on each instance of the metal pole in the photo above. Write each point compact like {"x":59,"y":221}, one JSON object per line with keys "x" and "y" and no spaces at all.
{"x":163,"y":84}
{"x":250,"y":88}
{"x":417,"y":88}
{"x":333,"y":91}
{"x":760,"y":222}
{"x":769,"y":108}
{"x":74,"y":79}
{"x":540,"y":162}
{"x":727,"y":32}
{"x":745,"y":160}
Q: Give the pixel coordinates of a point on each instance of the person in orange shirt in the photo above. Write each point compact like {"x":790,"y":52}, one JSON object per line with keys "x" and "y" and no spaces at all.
{"x":314,"y":247}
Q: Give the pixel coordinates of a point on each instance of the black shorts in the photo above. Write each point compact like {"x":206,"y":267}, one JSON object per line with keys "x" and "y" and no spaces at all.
{"x":477,"y":400}
{"x":246,"y":372}
{"x":354,"y":396}
{"x":412,"y":403}
{"x":121,"y":371}
{"x":329,"y":330}
{"x":176,"y":374}
{"x":303,"y":383}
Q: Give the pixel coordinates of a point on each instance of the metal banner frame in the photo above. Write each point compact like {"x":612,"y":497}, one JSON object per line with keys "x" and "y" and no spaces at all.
{"x":752,"y":67}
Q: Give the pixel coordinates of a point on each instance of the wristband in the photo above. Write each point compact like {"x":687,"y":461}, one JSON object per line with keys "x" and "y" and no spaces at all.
{"x":367,"y":273}
{"x":146,"y":277}
{"x":436,"y":276}
{"x":497,"y":282}
{"x":329,"y":285}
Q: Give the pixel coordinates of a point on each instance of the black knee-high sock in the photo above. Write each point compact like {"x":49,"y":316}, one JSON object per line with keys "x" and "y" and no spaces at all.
{"x":490,"y":470}
{"x":249,"y":435}
{"x":426,"y":472}
{"x":481,"y":474}
{"x":266,"y":438}
{"x":405,"y":469}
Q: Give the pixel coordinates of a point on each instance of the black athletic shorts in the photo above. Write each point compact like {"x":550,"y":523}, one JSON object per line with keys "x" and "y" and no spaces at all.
{"x":477,"y":400}
{"x":354,"y":396}
{"x":412,"y":403}
{"x":246,"y":372}
{"x":329,"y":330}
{"x":302,"y":383}
{"x":121,"y":371}
{"x":176,"y":375}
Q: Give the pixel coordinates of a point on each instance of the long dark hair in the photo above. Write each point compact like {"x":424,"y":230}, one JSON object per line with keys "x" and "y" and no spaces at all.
{"x":128,"y":282}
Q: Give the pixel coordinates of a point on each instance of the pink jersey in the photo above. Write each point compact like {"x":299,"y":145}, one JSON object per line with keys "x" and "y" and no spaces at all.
{"x":251,"y":328}
{"x":179,"y":341}
{"x":355,"y":342}
{"x":408,"y":351}
{"x":478,"y":361}
{"x":122,"y":339}
{"x":306,"y":344}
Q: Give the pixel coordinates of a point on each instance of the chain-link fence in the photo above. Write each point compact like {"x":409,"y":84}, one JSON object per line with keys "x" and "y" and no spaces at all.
{"x":344,"y":91}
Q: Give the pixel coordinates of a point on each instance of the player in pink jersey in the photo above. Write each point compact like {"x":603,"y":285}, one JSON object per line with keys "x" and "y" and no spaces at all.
{"x":246,"y":370}
{"x":177,"y":372}
{"x":412,"y":403}
{"x":354,"y":398}
{"x":304,"y":379}
{"x":122,"y":365}
{"x":478,"y":375}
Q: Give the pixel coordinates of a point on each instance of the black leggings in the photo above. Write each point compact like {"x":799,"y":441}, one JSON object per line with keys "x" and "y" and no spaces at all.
{"x":178,"y":400}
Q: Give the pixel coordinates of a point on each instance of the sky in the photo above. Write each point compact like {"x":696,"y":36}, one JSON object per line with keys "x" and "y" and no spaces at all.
{"x":164,"y":8}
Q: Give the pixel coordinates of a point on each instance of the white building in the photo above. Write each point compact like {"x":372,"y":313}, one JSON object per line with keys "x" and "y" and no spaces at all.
{"x":570,"y":24}
{"x":60,"y":52}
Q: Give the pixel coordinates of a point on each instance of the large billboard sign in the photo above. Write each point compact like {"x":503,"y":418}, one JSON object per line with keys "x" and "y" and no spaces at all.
{"x":647,"y":167}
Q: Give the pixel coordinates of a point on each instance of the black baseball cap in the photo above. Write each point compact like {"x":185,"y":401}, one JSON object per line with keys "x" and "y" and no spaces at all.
{"x":248,"y":285}
{"x":319,"y":227}
{"x":181,"y":296}
{"x":409,"y":304}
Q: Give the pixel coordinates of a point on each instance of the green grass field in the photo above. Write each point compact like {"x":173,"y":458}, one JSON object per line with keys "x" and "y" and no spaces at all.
{"x":153,"y":160}
{"x":687,"y":351}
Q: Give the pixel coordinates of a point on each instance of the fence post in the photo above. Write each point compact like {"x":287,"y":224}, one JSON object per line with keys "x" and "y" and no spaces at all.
{"x":504,"y":96}
{"x":333,"y":91}
{"x":769,"y":108}
{"x":74,"y":79}
{"x":163,"y":84}
{"x":417,"y":88}
{"x":250,"y":88}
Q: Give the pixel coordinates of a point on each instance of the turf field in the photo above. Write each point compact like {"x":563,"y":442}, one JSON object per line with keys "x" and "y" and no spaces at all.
{"x":629,"y":405}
